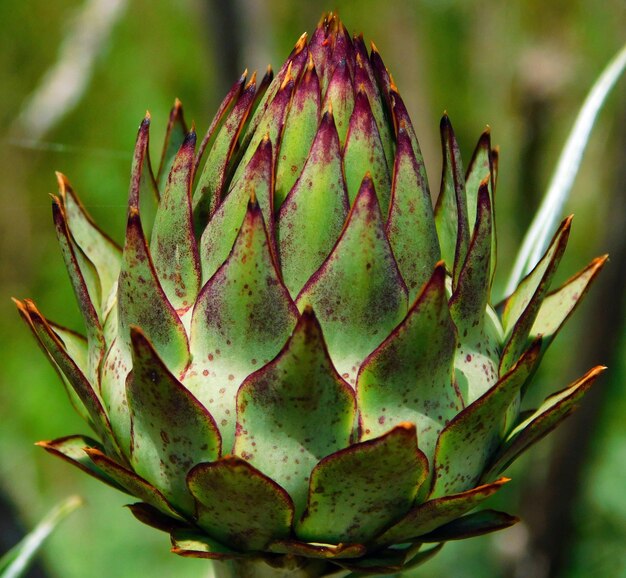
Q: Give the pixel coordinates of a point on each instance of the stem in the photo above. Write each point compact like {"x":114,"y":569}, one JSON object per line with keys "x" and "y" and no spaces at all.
{"x":282,"y":567}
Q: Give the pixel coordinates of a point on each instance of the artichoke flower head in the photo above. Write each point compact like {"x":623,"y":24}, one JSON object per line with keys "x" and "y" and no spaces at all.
{"x":294,"y":360}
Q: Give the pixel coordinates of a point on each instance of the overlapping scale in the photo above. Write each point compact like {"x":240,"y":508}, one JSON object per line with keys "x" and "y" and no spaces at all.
{"x":173,"y":245}
{"x":241,"y":320}
{"x":294,"y":411}
{"x":312,"y":216}
{"x":358,"y":293}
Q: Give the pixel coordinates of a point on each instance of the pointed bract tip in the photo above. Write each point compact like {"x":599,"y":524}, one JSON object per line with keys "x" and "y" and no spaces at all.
{"x":29,"y":306}
{"x":589,"y":377}
{"x":56,"y":202}
{"x":137,"y":336}
{"x":407,"y":426}
{"x":146,"y":119}
{"x":393,"y":87}
{"x":309,"y":324}
{"x":445,"y":126}
{"x":190,"y":139}
{"x":566,"y":224}
{"x":19,"y":304}
{"x":327,"y":19}
{"x":301,"y":42}
{"x":437,"y":280}
{"x":94,"y":453}
{"x":440,"y":269}
{"x":501,"y":481}
{"x":63,"y":182}
{"x":177,"y":104}
{"x":252,"y":81}
{"x":308,"y":311}
{"x":288,"y":78}
{"x":367,"y":193}
{"x":133,"y":214}
{"x":373,"y":47}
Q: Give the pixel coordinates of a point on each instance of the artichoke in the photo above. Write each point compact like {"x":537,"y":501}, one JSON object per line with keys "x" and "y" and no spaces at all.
{"x":299,"y":367}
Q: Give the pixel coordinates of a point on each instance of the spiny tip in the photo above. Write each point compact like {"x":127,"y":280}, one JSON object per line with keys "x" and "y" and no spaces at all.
{"x":63,"y":182}
{"x":301,"y":42}
{"x":392,"y":83}
{"x":252,"y":81}
{"x":288,"y":77}
{"x":405,"y":426}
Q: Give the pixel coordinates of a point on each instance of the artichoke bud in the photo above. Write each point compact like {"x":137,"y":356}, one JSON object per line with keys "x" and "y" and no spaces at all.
{"x":297,"y":356}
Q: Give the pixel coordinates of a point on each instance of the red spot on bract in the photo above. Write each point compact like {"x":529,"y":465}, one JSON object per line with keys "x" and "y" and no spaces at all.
{"x":468,"y":358}
{"x":381,"y":420}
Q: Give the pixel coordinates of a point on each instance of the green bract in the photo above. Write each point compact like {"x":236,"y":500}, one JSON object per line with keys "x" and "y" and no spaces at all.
{"x":301,"y":360}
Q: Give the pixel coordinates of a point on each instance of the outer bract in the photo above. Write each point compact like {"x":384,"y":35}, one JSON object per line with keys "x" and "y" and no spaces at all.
{"x":296,"y":359}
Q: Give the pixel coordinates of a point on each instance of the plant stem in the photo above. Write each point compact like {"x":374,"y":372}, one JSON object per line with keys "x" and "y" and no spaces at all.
{"x":285,"y":567}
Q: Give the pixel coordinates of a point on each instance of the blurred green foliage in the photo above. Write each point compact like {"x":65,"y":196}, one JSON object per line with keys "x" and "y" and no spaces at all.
{"x":523,"y":66}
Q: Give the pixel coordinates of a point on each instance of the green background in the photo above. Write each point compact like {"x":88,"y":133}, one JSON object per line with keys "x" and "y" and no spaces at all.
{"x":523,"y":67}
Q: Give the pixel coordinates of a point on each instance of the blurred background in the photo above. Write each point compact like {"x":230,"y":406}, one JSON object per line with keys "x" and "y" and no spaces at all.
{"x":76,"y":77}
